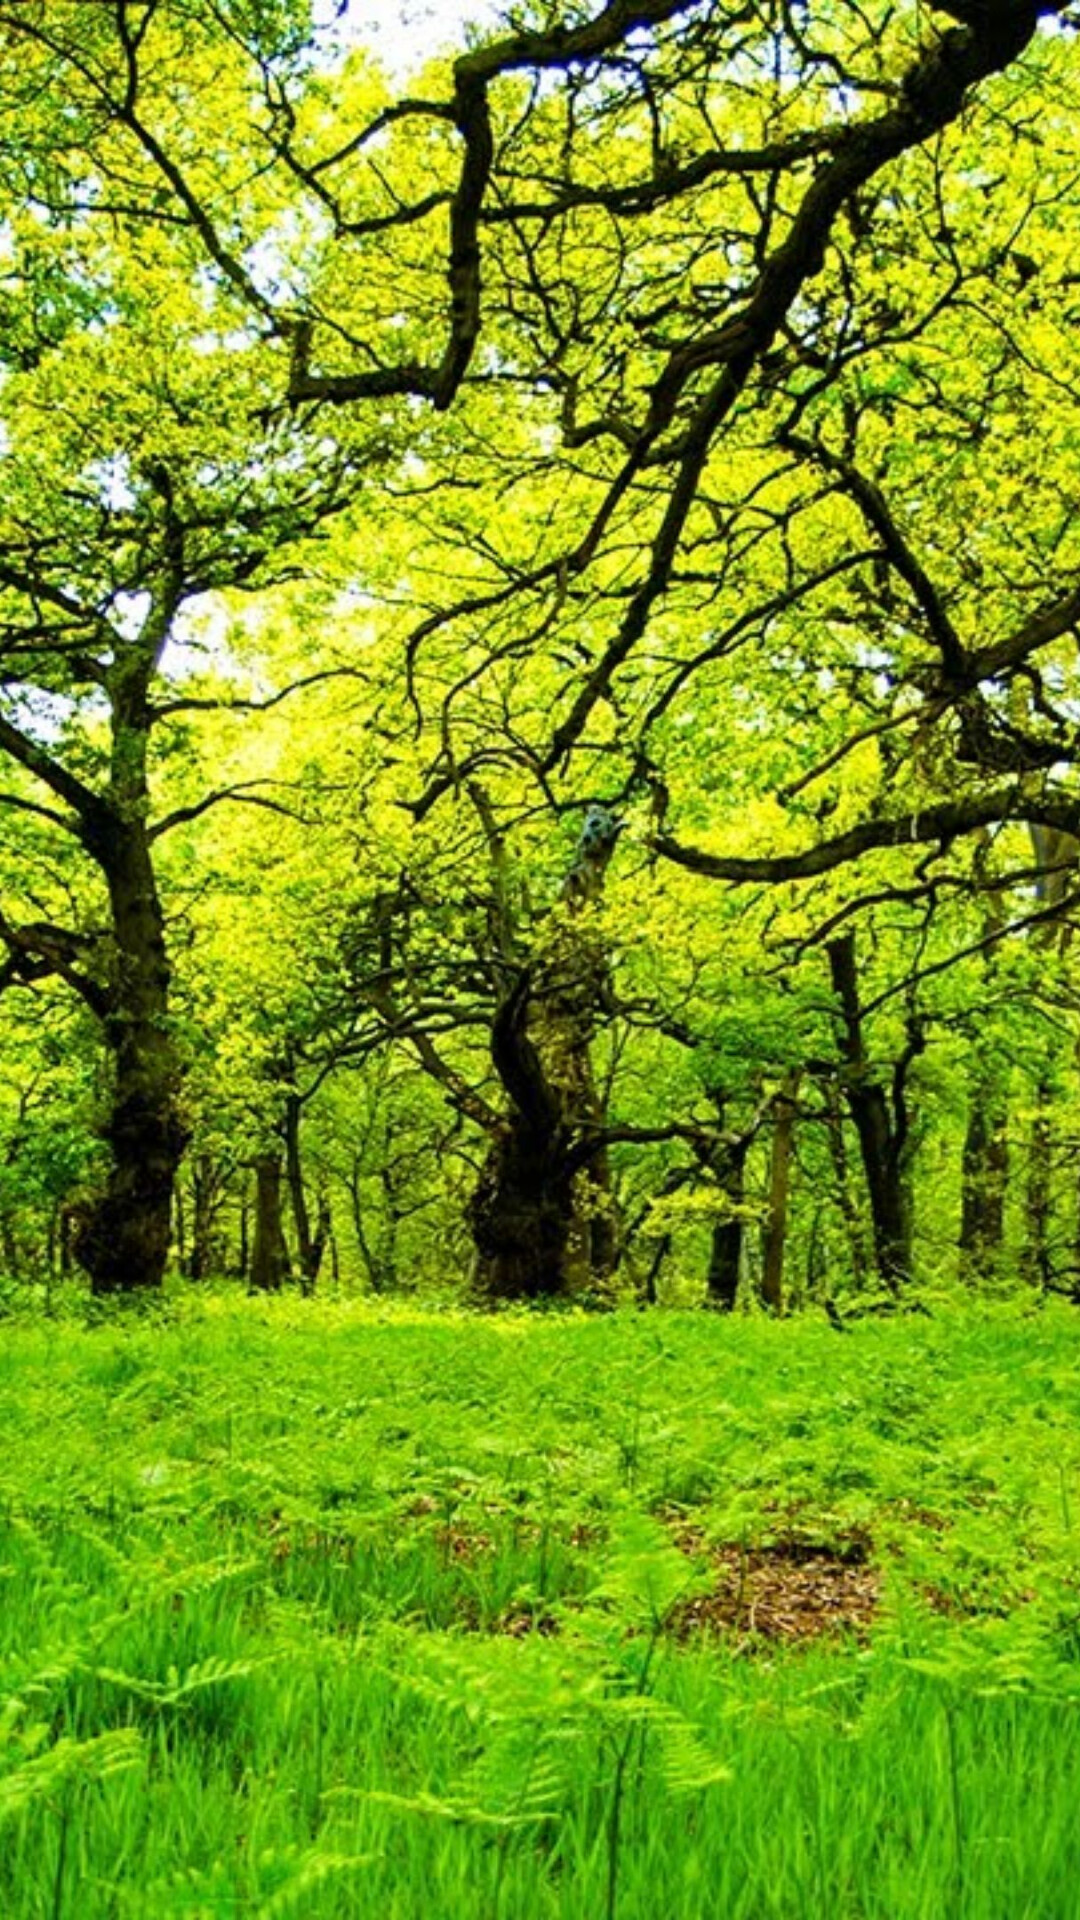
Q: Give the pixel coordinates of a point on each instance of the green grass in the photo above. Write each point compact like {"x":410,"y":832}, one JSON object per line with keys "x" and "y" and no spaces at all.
{"x":331,"y":1611}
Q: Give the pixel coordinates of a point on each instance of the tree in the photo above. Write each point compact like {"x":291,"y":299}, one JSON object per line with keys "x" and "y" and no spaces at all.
{"x":543,"y":1214}
{"x":137,"y":482}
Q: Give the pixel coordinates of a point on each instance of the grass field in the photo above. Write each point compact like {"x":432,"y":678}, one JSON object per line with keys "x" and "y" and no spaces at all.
{"x":329,"y":1611}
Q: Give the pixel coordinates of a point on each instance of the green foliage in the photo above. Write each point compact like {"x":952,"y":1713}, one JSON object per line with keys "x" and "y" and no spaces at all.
{"x":723,"y":476}
{"x":309,"y":1609}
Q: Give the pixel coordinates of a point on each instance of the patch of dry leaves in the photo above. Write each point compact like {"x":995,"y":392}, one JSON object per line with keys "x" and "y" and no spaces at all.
{"x":791,"y":1591}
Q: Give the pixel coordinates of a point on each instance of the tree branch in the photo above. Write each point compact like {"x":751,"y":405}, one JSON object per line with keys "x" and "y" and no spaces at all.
{"x":879,"y":517}
{"x":55,"y":819}
{"x":238,"y":704}
{"x":238,"y":793}
{"x":943,"y":821}
{"x":932,"y":95}
{"x":91,"y":810}
{"x":39,"y":949}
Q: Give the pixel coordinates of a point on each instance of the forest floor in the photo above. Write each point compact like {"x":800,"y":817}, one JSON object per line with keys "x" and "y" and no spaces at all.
{"x":333,"y":1610}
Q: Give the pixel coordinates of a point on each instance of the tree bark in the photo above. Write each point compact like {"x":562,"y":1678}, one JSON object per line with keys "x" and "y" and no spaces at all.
{"x":69,"y":1230}
{"x":775,"y":1237}
{"x":881,"y":1121}
{"x":373,"y":1265}
{"x":521,"y":1215}
{"x":123,"y":1239}
{"x":180,"y":1234}
{"x":652,"y":1272}
{"x":541,"y":1228}
{"x":722,"y":1156}
{"x":122,"y":1234}
{"x":205,"y":1254}
{"x":270,"y":1266}
{"x":310,"y":1244}
{"x":848,"y":1207}
{"x":728,"y":1166}
{"x":522,"y":1210}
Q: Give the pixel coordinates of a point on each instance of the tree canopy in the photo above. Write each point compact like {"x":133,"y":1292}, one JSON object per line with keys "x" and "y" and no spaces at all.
{"x":538,"y":624}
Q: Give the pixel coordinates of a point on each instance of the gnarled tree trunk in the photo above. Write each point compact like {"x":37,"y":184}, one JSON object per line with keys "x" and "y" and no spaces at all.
{"x":521,"y":1215}
{"x":123,"y":1237}
{"x":531,"y":1240}
{"x":543,"y":1213}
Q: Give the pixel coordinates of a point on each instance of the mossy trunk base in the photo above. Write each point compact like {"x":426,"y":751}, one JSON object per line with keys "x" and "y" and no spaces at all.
{"x":521,"y":1217}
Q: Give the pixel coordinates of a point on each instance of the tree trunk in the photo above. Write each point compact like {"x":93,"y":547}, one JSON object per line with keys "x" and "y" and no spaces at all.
{"x":205,"y":1255}
{"x":849,"y":1210}
{"x":543,"y":1216}
{"x":881,"y":1121}
{"x":984,"y":1178}
{"x":269,"y":1252}
{"x":652,"y":1273}
{"x":373,"y":1266}
{"x":727,"y":1163}
{"x":984,"y":1163}
{"x":888,"y":1211}
{"x":775,"y":1237}
{"x":123,"y":1240}
{"x":310,"y":1246}
{"x":1035,"y":1263}
{"x":521,"y":1216}
{"x":725,"y":1264}
{"x":9,"y":1248}
{"x":69,"y":1233}
{"x":815,"y":1254}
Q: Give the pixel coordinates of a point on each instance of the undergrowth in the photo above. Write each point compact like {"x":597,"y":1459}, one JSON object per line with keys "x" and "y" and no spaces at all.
{"x":324,"y":1610}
